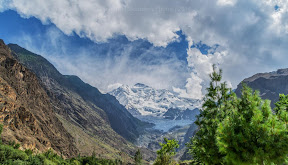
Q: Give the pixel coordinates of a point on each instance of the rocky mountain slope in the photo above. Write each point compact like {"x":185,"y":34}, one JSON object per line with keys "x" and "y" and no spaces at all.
{"x":177,"y":114}
{"x":270,"y":84}
{"x":189,"y":134}
{"x":26,"y":112}
{"x":142,"y":100}
{"x":95,"y":120}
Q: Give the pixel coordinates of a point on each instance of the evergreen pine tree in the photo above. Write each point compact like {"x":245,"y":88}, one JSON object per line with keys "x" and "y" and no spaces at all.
{"x":281,"y":109}
{"x":203,"y":146}
{"x":251,"y":133}
{"x":166,"y":153}
{"x":138,"y":157}
{"x":240,"y":130}
{"x":282,"y":104}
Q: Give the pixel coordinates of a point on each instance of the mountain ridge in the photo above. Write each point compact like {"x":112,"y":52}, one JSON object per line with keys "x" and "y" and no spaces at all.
{"x":74,"y":83}
{"x":270,"y":84}
{"x":142,"y":100}
{"x":95,"y":120}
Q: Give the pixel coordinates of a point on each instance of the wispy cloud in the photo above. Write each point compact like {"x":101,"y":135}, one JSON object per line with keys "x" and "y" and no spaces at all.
{"x":104,"y":64}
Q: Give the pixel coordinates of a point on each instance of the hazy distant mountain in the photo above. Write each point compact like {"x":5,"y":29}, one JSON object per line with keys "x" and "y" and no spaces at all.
{"x":142,"y":100}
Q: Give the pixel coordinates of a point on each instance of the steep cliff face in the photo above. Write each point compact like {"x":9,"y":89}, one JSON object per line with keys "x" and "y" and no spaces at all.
{"x":95,"y":120}
{"x":26,"y":111}
{"x":270,"y":84}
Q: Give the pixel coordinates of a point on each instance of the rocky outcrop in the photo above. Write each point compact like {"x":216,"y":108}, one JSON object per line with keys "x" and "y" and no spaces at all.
{"x":270,"y":85}
{"x":177,"y":114}
{"x":26,"y":111}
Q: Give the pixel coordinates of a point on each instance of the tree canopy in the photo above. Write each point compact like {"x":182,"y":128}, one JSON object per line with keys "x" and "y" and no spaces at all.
{"x":241,"y":130}
{"x":166,"y":153}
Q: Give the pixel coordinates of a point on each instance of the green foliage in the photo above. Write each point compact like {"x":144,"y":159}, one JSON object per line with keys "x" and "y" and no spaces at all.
{"x":165,"y":154}
{"x":11,"y":155}
{"x":251,"y":133}
{"x":28,"y":152}
{"x":14,"y":144}
{"x":282,"y":104}
{"x":9,"y":152}
{"x":281,"y":109}
{"x":239,"y":130}
{"x":203,"y":146}
{"x":138,"y":158}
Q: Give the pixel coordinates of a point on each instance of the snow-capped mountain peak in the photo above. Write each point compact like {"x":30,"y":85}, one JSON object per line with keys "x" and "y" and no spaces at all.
{"x":140,"y":85}
{"x":142,"y":100}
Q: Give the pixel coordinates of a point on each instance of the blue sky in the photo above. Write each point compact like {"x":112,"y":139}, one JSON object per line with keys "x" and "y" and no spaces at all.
{"x":71,"y":54}
{"x":161,"y":43}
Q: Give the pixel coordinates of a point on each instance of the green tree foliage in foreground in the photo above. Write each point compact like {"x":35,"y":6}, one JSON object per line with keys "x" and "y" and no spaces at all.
{"x":282,"y":104}
{"x":11,"y":155}
{"x":166,"y":153}
{"x":251,"y":133}
{"x":240,"y":130}
{"x":138,"y":158}
{"x":203,"y":146}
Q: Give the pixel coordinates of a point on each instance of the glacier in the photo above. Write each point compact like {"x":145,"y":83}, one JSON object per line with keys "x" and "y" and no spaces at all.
{"x":152,"y":105}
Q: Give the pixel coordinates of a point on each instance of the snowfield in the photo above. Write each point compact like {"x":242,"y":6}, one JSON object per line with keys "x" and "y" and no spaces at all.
{"x":143,"y":100}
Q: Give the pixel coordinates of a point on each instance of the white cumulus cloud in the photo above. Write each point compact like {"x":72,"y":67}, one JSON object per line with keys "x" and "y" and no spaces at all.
{"x":226,"y":2}
{"x":252,"y":34}
{"x":202,"y":66}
